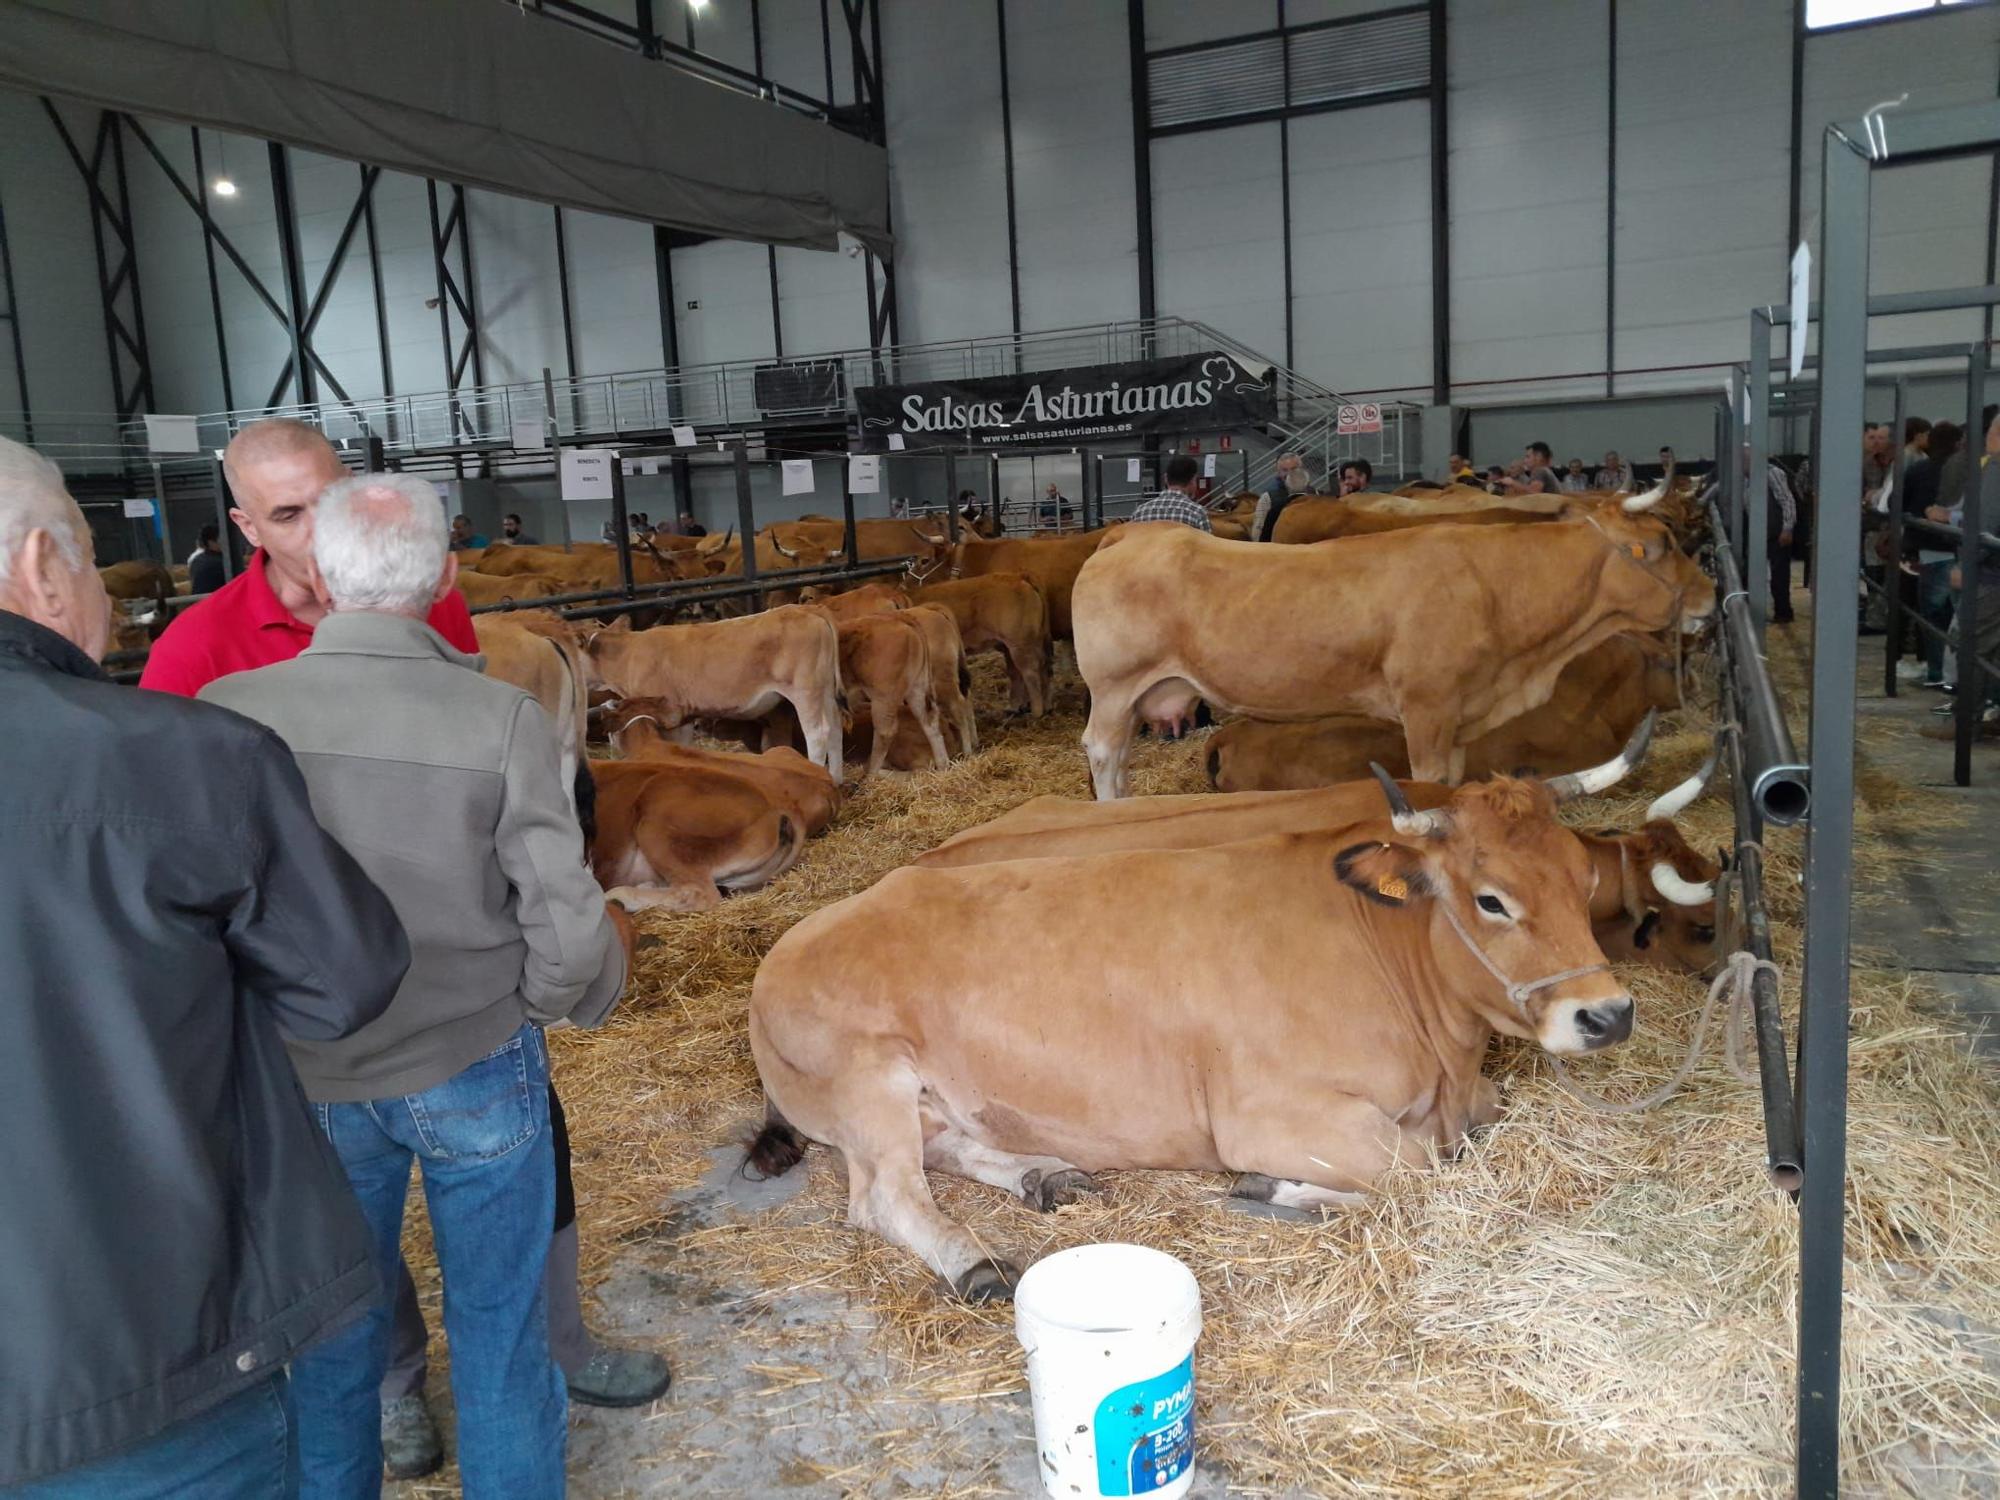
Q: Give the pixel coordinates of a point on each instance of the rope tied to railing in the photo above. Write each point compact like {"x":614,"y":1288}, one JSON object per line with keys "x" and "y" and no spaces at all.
{"x":1737,"y":976}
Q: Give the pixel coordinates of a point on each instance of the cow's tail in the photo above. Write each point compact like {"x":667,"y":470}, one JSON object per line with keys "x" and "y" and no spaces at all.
{"x":584,"y":793}
{"x":776,"y":1149}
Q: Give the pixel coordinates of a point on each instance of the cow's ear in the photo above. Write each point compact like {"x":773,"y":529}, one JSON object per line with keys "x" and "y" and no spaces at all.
{"x":1388,"y":874}
{"x":622,"y":623}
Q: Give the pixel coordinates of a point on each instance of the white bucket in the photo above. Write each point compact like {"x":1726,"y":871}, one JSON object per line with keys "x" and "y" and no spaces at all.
{"x":1110,"y":1332}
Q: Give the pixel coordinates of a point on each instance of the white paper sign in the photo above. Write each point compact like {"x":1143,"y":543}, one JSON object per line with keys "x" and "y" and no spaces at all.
{"x":864,"y":474}
{"x":1365,"y":416}
{"x":588,"y":473}
{"x":1801,"y":301}
{"x":1132,"y":471}
{"x":1208,"y":466}
{"x":173,"y":434}
{"x":798,"y":475}
{"x":629,"y":465}
{"x":139,"y":510}
{"x":443,"y":488}
{"x":895,"y":442}
{"x":649,"y":466}
{"x":683,"y":437}
{"x":527,"y":433}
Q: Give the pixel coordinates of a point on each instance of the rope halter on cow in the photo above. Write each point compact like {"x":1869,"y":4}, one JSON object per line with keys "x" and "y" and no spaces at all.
{"x":1738,"y":976}
{"x":1518,"y":991}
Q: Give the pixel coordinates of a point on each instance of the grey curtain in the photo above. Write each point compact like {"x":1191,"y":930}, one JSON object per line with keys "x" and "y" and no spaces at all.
{"x":471,"y":91}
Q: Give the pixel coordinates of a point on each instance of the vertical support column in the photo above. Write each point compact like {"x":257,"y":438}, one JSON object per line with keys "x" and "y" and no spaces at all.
{"x":1756,"y":558}
{"x":220,"y":480}
{"x":1823,"y":1019}
{"x":1611,"y":200}
{"x":13,"y":317}
{"x":1729,"y":466}
{"x":1142,"y":160}
{"x":1440,"y":213}
{"x":746,"y":518}
{"x":214,"y":286}
{"x":1971,"y":681}
{"x":622,"y":523}
{"x":293,"y":272}
{"x":850,"y":541}
{"x":951,"y":496}
{"x":1892,"y":569}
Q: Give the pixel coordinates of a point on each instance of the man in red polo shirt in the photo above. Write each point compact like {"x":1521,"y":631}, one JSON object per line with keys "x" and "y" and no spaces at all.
{"x":267,"y":614}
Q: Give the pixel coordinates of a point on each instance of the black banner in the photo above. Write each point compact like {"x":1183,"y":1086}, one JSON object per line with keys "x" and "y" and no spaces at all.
{"x":1064,"y":408}
{"x":800,"y":388}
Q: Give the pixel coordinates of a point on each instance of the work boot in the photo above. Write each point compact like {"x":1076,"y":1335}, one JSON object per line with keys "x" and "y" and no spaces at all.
{"x":411,"y":1447}
{"x":597,"y":1374}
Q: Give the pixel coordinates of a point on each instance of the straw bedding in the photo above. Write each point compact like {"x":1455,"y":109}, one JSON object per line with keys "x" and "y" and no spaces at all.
{"x":1581,"y":1304}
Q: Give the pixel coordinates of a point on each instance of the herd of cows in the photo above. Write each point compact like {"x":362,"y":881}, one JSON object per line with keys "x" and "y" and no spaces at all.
{"x":1293,"y":978}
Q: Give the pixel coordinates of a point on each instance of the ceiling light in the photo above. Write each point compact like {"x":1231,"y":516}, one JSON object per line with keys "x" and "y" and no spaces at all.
{"x":697,"y":6}
{"x":223,"y":188}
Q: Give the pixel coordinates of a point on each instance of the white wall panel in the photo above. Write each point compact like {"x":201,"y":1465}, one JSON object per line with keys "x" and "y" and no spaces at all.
{"x":1701,"y":191}
{"x":822,"y":300}
{"x":180,"y":322}
{"x":732,"y":282}
{"x":1527,"y":188}
{"x":1171,"y":23}
{"x":614,"y":293}
{"x":1929,"y":222}
{"x":793,"y":51}
{"x":1218,"y":233}
{"x":1361,"y":247}
{"x":1070,"y":85}
{"x":513,"y":267}
{"x":946,"y":170}
{"x":55,"y":267}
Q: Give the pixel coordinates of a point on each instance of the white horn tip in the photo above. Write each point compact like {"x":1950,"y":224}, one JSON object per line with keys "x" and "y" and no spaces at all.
{"x":1668,"y":882}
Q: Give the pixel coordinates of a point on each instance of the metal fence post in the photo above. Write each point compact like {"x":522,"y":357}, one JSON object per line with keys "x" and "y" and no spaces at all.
{"x":746,"y":518}
{"x":1971,"y":681}
{"x":951,"y":496}
{"x":1823,"y":1020}
{"x":623,"y":523}
{"x":1757,"y":460}
{"x":1892,"y":566}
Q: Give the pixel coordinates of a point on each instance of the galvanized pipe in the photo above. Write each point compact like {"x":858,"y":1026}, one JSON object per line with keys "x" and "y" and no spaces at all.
{"x":1780,"y":783}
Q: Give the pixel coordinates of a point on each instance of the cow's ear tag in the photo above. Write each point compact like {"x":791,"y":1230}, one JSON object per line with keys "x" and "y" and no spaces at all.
{"x":1636,"y":550}
{"x":1394,"y":887}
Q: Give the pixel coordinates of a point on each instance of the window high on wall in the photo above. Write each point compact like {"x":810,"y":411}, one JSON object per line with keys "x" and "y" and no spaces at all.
{"x":1825,"y":13}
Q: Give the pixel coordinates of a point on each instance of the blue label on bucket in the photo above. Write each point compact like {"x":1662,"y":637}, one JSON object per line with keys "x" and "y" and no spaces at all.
{"x":1145,"y":1433}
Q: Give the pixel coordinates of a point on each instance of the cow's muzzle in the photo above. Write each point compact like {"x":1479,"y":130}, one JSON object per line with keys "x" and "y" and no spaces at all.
{"x":1604,"y":1024}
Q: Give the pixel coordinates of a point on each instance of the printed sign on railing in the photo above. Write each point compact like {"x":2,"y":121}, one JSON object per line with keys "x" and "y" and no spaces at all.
{"x":1365,"y":416}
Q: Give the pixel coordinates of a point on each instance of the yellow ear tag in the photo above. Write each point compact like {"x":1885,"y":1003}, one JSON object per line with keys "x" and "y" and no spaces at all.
{"x":1392,"y":886}
{"x":1636,"y":550}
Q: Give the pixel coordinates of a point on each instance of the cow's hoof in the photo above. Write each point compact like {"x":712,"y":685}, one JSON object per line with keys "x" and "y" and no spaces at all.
{"x":987,"y":1281}
{"x":1048,"y":1191}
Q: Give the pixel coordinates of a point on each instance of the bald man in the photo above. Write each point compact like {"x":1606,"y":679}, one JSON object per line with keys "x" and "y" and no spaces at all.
{"x":267,"y":614}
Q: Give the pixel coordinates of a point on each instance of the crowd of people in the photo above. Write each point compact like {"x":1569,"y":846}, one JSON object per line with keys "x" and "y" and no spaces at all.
{"x":287,"y":920}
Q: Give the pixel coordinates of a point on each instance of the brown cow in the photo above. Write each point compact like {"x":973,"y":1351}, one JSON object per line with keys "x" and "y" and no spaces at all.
{"x":139,"y":579}
{"x":1598,"y":701}
{"x":1051,"y":564}
{"x":675,"y":836}
{"x":851,"y":604}
{"x":583,"y":567}
{"x":1319,"y":519}
{"x":734,"y":669}
{"x":794,"y":784}
{"x":1650,"y":872}
{"x":885,"y":658}
{"x":951,"y":684}
{"x":1449,"y":630}
{"x":485,"y":588}
{"x":549,"y":668}
{"x":1002,"y":612}
{"x":1382,"y":957}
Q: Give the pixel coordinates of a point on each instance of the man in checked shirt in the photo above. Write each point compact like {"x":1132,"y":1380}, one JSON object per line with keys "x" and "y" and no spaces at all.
{"x":1175,"y":502}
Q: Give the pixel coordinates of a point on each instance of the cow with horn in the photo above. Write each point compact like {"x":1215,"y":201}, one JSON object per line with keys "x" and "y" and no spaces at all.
{"x":1383,"y":955}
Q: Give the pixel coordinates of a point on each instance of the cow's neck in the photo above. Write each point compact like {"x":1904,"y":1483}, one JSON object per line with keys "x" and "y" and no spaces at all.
{"x":1452,"y":1033}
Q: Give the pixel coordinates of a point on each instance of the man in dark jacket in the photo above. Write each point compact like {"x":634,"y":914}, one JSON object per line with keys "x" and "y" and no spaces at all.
{"x":173,"y":1227}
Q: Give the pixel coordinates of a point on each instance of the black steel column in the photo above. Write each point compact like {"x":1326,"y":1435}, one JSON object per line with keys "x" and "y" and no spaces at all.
{"x":1611,"y":200}
{"x":1756,"y":480}
{"x":1892,"y":569}
{"x":13,"y":316}
{"x":1007,"y":157}
{"x":1285,"y":180}
{"x":1971,"y":698}
{"x":663,"y":280}
{"x":1823,"y":1019}
{"x":746,"y":518}
{"x":562,"y":296}
{"x":117,"y":263}
{"x":214,"y":286}
{"x":294,"y":276}
{"x":1794,"y":211}
{"x":621,"y":522}
{"x":1142,"y":154}
{"x":1440,"y":214}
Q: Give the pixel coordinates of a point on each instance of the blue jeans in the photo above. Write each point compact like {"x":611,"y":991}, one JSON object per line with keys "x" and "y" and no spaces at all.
{"x":1935,"y":602}
{"x":482,"y":1141}
{"x":240,"y":1450}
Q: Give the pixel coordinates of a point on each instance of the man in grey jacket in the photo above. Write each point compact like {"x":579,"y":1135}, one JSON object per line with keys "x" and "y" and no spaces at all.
{"x":173,"y":1227}
{"x":443,"y":784}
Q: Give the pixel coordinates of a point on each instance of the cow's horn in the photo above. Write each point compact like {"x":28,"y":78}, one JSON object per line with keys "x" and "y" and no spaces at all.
{"x":1405,"y":818}
{"x":1595,"y":779}
{"x":1668,"y":882}
{"x":936,"y":541}
{"x":1669,"y":804}
{"x":1633,"y":504}
{"x":779,"y":548}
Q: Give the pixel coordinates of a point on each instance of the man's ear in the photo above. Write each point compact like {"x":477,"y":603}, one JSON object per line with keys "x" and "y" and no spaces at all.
{"x":245,"y":525}
{"x":448,"y":578}
{"x":1387,"y":874}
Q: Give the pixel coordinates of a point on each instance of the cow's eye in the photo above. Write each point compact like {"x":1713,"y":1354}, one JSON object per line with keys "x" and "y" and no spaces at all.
{"x":1704,"y":934}
{"x":1493,"y":906}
